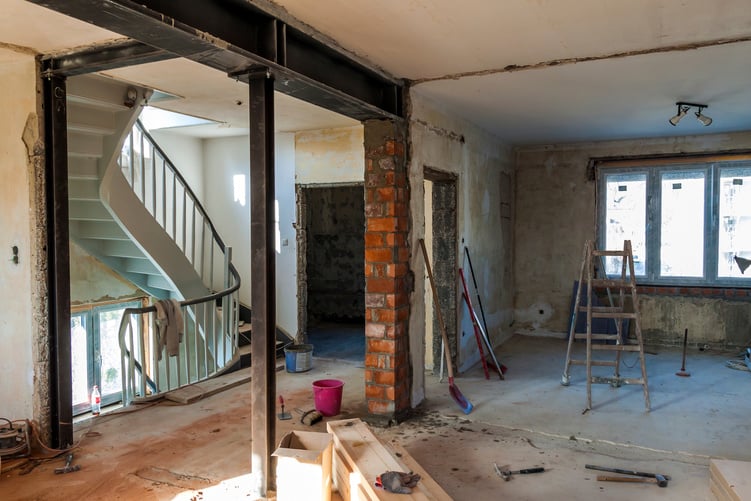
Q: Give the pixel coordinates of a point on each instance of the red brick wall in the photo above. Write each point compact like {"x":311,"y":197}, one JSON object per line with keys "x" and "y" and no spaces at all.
{"x":387,"y":373}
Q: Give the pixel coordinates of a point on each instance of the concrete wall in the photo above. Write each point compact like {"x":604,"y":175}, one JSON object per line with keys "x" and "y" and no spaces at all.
{"x":18,"y":100}
{"x":482,"y":164}
{"x":555,"y":215}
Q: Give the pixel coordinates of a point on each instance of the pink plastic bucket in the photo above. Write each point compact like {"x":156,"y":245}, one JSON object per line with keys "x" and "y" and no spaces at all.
{"x":327,"y":394}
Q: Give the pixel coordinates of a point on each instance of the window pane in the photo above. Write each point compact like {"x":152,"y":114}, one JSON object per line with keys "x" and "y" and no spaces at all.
{"x":735,"y":221}
{"x":625,"y":219}
{"x":79,"y":359}
{"x":682,"y":224}
{"x":109,"y":346}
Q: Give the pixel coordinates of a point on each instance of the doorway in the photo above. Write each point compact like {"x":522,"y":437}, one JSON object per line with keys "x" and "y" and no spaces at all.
{"x":331,"y":264}
{"x":441,"y":244}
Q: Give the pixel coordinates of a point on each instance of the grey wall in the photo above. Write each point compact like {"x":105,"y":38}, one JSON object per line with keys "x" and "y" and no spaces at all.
{"x":335,"y":254}
{"x":555,"y":215}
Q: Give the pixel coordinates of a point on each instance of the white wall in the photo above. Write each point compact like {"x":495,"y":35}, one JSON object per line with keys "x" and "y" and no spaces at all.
{"x":480,"y":161}
{"x":186,"y":153}
{"x":18,"y":101}
{"x":224,"y":158}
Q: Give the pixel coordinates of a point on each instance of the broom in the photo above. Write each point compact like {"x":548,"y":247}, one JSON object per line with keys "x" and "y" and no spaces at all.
{"x":464,"y":404}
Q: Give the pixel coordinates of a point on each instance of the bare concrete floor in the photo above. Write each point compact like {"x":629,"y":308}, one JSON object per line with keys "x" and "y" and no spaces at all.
{"x":202,"y":451}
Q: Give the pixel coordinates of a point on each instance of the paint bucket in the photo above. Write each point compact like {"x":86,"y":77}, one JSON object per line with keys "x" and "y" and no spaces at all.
{"x":298,"y":357}
{"x":327,"y":394}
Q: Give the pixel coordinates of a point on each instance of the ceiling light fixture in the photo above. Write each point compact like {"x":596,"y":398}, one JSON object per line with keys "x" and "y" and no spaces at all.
{"x":683,"y":111}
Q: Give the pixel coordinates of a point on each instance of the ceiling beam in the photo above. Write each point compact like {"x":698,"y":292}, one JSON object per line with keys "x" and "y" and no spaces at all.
{"x":233,"y":36}
{"x":102,"y":57}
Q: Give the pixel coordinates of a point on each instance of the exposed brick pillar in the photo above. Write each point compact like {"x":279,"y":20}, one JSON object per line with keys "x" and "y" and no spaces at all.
{"x":387,"y":372}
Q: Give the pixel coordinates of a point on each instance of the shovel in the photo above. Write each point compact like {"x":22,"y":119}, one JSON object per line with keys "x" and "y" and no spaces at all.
{"x":283,"y":416}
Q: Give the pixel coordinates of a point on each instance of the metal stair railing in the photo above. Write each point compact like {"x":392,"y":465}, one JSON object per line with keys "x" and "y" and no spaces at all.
{"x":210,"y":322}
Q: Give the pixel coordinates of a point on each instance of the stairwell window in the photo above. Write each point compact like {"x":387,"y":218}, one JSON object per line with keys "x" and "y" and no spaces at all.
{"x":686,"y":220}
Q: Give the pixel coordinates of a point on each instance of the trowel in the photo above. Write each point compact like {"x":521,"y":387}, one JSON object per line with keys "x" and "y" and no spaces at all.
{"x":283,"y":416}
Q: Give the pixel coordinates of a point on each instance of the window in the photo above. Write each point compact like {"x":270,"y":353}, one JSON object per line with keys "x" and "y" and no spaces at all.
{"x":686,"y":222}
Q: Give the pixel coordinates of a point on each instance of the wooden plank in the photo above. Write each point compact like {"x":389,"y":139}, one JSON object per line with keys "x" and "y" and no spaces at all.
{"x":367,"y":458}
{"x":436,"y":491}
{"x":734,"y":477}
{"x":190,"y":394}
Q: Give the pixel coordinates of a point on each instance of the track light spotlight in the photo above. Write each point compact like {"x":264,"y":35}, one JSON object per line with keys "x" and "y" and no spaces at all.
{"x":704,"y":119}
{"x":683,"y":110}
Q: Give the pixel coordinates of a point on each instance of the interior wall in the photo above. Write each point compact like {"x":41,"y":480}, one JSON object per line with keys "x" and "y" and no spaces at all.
{"x":91,"y":281}
{"x":555,"y":215}
{"x":330,"y":156}
{"x":480,"y":161}
{"x":225,"y":158}
{"x":19,"y":103}
{"x":186,"y":153}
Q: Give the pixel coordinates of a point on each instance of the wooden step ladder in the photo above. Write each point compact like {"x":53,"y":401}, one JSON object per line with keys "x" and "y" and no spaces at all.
{"x":618,"y":310}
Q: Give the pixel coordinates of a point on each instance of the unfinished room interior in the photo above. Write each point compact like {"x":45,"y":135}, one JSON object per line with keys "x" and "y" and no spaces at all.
{"x":289,"y":249}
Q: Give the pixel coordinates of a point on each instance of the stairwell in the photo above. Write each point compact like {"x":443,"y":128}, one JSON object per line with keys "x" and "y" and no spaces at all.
{"x":131,"y":209}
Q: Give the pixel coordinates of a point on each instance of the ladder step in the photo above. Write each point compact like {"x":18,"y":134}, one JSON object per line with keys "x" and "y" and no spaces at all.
{"x":620,"y":380}
{"x":612,"y":283}
{"x":613,"y":315}
{"x":616,"y":347}
{"x":599,"y":363}
{"x":597,"y":337}
{"x":603,"y":252}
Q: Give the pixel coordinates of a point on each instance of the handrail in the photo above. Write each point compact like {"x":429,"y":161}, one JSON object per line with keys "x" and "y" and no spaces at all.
{"x":210,"y":333}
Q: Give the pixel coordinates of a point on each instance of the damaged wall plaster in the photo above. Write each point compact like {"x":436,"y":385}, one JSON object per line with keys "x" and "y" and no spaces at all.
{"x":23,"y":326}
{"x":555,"y":215}
{"x":479,"y":164}
{"x":91,"y":281}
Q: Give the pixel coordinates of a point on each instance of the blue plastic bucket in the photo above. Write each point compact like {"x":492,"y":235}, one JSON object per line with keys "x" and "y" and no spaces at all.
{"x":298,"y":357}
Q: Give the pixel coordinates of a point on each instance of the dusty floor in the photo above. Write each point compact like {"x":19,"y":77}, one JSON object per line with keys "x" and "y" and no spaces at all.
{"x":202,"y":451}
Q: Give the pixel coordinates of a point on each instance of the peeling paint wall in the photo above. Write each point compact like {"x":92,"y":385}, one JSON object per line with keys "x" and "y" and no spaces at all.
{"x":555,"y":215}
{"x":483,"y":165}
{"x":19,"y":395}
{"x":93,"y":282}
{"x":330,"y":156}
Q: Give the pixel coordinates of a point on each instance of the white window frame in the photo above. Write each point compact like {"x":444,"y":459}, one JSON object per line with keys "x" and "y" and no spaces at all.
{"x":654,"y":169}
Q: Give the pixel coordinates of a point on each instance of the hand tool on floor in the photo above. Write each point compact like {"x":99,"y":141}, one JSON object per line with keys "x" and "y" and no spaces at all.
{"x":658,"y":479}
{"x":68,"y":468}
{"x":683,"y":372}
{"x":283,"y":416}
{"x":659,"y":476}
{"x":309,"y":418}
{"x":465,"y":405}
{"x":505,"y":472}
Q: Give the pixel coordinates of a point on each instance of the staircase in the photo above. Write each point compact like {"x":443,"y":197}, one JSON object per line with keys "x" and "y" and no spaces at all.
{"x":132,"y":210}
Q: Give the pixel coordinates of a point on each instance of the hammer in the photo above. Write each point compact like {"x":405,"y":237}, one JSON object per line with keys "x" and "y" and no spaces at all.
{"x":68,"y":468}
{"x":505,"y":473}
{"x":659,"y":479}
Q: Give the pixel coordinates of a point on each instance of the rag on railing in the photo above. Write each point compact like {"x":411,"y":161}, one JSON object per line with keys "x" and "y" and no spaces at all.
{"x":169,"y":321}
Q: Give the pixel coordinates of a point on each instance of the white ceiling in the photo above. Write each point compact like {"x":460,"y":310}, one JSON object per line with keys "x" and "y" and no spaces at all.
{"x":529,"y":71}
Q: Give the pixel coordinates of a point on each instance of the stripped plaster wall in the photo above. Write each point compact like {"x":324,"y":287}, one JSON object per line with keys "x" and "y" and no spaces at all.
{"x":482,"y":163}
{"x":23,"y":385}
{"x":555,"y":215}
{"x":91,"y":281}
{"x":330,"y":156}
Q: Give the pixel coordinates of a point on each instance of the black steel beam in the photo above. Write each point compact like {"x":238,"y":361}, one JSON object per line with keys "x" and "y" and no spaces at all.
{"x":58,"y":259}
{"x":105,"y":56}
{"x":234,"y":36}
{"x":263,"y":284}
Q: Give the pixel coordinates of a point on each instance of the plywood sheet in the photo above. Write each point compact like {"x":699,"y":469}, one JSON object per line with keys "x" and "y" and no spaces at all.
{"x":731,"y":479}
{"x":194,"y":392}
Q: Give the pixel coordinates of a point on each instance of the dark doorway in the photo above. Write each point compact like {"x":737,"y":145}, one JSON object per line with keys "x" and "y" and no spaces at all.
{"x":333,"y":260}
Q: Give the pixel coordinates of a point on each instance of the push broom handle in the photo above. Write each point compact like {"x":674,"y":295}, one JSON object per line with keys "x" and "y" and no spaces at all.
{"x":444,"y":336}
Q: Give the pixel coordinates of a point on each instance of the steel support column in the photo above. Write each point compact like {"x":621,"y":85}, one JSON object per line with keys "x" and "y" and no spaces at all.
{"x":58,"y":259}
{"x":263,"y":283}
